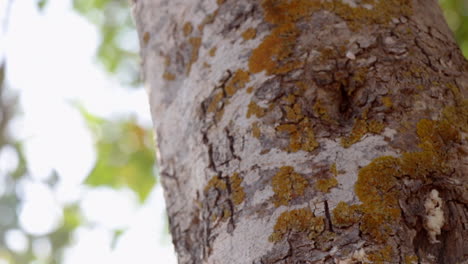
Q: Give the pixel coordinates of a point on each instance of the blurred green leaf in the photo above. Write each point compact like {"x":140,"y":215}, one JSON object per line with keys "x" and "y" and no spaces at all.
{"x":116,"y":52}
{"x":41,"y":4}
{"x":21,"y":168}
{"x":115,"y":237}
{"x":456,"y":14}
{"x":125,"y":156}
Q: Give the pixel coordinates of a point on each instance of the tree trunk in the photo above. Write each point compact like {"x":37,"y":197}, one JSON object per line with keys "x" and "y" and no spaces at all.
{"x":308,"y":131}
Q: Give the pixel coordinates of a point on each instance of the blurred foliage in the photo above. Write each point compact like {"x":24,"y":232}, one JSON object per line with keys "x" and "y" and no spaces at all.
{"x":11,"y":179}
{"x":118,"y":47}
{"x":456,"y":14}
{"x":125,"y":155}
{"x":41,"y":4}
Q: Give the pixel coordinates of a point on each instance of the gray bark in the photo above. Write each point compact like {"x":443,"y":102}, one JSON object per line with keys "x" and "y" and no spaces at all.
{"x":295,"y":131}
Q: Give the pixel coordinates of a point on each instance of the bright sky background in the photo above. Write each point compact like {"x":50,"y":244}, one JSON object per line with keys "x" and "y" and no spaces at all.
{"x":50,"y":64}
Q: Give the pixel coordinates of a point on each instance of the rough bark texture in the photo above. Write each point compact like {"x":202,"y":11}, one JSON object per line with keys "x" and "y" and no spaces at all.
{"x":302,"y":131}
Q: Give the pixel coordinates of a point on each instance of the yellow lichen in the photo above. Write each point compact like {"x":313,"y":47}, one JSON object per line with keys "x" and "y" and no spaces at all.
{"x":238,"y":194}
{"x":362,"y":127}
{"x":387,"y":101}
{"x":212,"y":52}
{"x":238,"y":81}
{"x":249,"y":34}
{"x":457,"y":115}
{"x":250,"y":89}
{"x":334,"y":170}
{"x":256,"y":130}
{"x":375,"y":127}
{"x":411,"y":259}
{"x":168,"y":76}
{"x":226,"y":214}
{"x":167,"y":60}
{"x":376,"y":181}
{"x":298,"y":221}
{"x":220,"y":2}
{"x":301,"y":136}
{"x":359,"y":130}
{"x":383,"y":255}
{"x":324,"y":185}
{"x":255,"y":109}
{"x":215,"y":183}
{"x":213,"y":106}
{"x":287,"y":185}
{"x":274,"y":54}
{"x":196,"y":43}
{"x":209,"y":19}
{"x":345,"y":215}
{"x":146,"y":38}
{"x":375,"y":189}
{"x":188,"y":28}
{"x":271,"y":54}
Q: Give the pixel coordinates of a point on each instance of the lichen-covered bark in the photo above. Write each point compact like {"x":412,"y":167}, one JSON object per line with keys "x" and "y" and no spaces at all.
{"x":309,"y":131}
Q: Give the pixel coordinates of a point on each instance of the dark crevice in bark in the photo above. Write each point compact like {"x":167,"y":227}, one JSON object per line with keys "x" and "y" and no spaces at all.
{"x":327,"y":215}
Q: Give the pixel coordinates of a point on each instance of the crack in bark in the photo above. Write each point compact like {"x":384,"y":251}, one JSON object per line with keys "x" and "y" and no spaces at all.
{"x":327,"y":215}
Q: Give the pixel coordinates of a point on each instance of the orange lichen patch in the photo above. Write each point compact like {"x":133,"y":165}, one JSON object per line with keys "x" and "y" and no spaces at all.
{"x":249,"y":34}
{"x":411,"y":259}
{"x":359,"y":130}
{"x":208,"y":20}
{"x":345,"y":215}
{"x":255,"y":109}
{"x":219,"y":115}
{"x":226,"y":214}
{"x":375,"y":127}
{"x":281,"y":12}
{"x":168,"y":76}
{"x":333,"y":169}
{"x":294,"y":113}
{"x":238,"y":194}
{"x":220,"y":2}
{"x":216,"y":183}
{"x":196,"y":43}
{"x":298,"y":221}
{"x":376,"y":181}
{"x":324,"y":185}
{"x":434,"y":135}
{"x":383,"y":255}
{"x":321,"y":111}
{"x":188,"y":28}
{"x":387,"y":101}
{"x":381,"y":12}
{"x":375,"y":188}
{"x":302,"y":136}
{"x":146,"y":38}
{"x":457,"y":115}
{"x":287,"y":185}
{"x":435,"y":139}
{"x":250,"y":89}
{"x":214,"y":104}
{"x":167,"y":60}
{"x":212,"y":52}
{"x":256,"y":130}
{"x":361,"y":127}
{"x":454,"y":89}
{"x":272,"y":53}
{"x":290,"y":128}
{"x":238,"y":81}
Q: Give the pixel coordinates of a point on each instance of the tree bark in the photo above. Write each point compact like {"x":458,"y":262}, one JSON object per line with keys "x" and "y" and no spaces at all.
{"x":301,"y":131}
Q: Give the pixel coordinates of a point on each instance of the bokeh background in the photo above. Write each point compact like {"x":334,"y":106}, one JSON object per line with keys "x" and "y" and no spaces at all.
{"x":78,"y":177}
